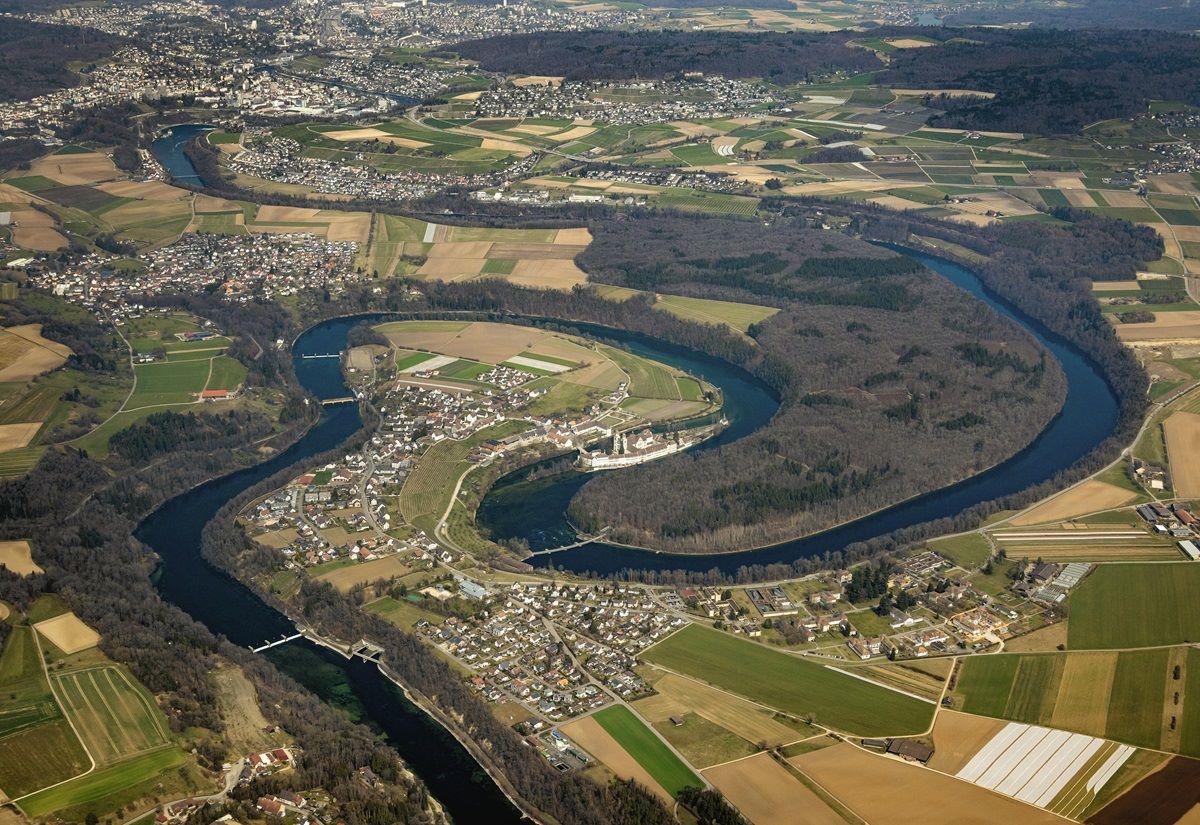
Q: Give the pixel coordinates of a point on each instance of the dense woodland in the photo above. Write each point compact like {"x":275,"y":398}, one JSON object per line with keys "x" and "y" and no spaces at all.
{"x":611,"y":55}
{"x":892,"y":383}
{"x":1165,"y":15}
{"x":34,"y":56}
{"x":1049,"y":81}
{"x":1045,"y":81}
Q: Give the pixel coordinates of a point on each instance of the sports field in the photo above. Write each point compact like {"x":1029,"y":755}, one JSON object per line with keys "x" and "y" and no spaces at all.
{"x":649,"y":751}
{"x":168,"y":382}
{"x":791,"y":684}
{"x":1135,"y":605}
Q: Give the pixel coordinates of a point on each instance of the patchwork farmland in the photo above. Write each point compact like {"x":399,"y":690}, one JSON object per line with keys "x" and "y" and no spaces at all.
{"x":791,"y":684}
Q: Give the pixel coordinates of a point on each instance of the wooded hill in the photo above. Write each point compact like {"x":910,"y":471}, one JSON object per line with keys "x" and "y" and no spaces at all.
{"x":892,"y":383}
{"x":34,"y":56}
{"x":1045,"y":81}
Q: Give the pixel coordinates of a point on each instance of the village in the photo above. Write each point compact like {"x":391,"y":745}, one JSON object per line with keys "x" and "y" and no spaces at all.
{"x":241,"y":266}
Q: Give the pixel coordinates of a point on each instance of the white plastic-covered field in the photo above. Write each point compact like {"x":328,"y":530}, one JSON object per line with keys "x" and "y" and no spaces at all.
{"x":537,"y":364}
{"x":1049,"y":768}
{"x":434,"y":363}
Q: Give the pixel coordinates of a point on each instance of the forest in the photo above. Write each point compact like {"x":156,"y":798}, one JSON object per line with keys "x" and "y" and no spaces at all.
{"x":34,"y":56}
{"x":1165,"y":15}
{"x":1045,"y":80}
{"x":884,"y":393}
{"x":611,"y":55}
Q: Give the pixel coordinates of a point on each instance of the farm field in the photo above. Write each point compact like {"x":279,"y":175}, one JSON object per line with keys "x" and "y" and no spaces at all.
{"x":1163,"y":797}
{"x":790,"y":684}
{"x":766,"y":793}
{"x":867,"y":785}
{"x":647,"y":749}
{"x":37,"y":746}
{"x":17,"y":557}
{"x":1135,"y":605}
{"x":115,"y":717}
{"x":25,"y":354}
{"x":1089,"y":497}
{"x":597,"y":741}
{"x":68,"y":633}
{"x":1051,"y":769}
{"x":1098,"y":694}
{"x":129,"y":780}
{"x":1182,"y":433}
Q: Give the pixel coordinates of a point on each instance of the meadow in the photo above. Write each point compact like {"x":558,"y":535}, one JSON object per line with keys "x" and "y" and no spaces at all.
{"x":125,"y":781}
{"x":1135,"y":605}
{"x":647,"y":749}
{"x":791,"y":684}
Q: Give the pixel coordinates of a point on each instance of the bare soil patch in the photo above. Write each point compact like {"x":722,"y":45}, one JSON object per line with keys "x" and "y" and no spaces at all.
{"x":1162,"y":798}
{"x":34,"y":354}
{"x":68,"y":633}
{"x":74,"y":170}
{"x":767,"y":794}
{"x":1088,"y":497}
{"x":580,"y":236}
{"x":1182,"y":433}
{"x":17,"y":557}
{"x":245,"y":726}
{"x":450,"y":269}
{"x":15,"y":436}
{"x":1114,"y":286}
{"x":463,"y":249}
{"x":881,"y":789}
{"x":287,"y":214}
{"x":958,"y":736}
{"x":547,"y":274}
{"x":535,"y":251}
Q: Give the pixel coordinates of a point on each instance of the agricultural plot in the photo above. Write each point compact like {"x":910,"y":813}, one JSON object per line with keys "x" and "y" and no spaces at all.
{"x":1181,"y":431}
{"x":766,"y":793}
{"x":68,"y":633}
{"x":707,"y":311}
{"x":37,"y":746}
{"x":127,"y":780}
{"x":1136,"y":605}
{"x":879,"y":789}
{"x":114,"y":717}
{"x":25,"y":354}
{"x":17,"y":557}
{"x":790,"y":684}
{"x":1119,"y":696}
{"x":1059,"y":771}
{"x":647,"y":749}
{"x":1088,"y":497}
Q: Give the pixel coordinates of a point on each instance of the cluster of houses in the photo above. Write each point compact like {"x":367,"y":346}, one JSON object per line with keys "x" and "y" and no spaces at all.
{"x":244,"y":266}
{"x":670,"y":178}
{"x":627,"y":103}
{"x":282,"y":160}
{"x":559,"y":650}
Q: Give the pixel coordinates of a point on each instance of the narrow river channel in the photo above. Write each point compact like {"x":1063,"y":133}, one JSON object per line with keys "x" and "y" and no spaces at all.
{"x":535,"y":511}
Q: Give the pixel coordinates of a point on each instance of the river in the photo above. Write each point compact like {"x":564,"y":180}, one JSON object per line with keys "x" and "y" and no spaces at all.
{"x":227,"y":607}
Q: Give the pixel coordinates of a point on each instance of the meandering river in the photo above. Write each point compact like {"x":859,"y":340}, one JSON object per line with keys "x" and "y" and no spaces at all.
{"x":535,"y":511}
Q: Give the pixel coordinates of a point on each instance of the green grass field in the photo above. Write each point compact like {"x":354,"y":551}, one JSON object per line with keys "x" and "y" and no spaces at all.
{"x":115,"y":718}
{"x":1135,"y":605}
{"x":129,"y":777}
{"x":168,"y":382}
{"x":39,"y":757}
{"x":791,"y":684}
{"x":649,"y":751}
{"x":646,"y":378}
{"x":1135,"y":712}
{"x":706,"y":311}
{"x":969,"y":551}
{"x":227,"y":374}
